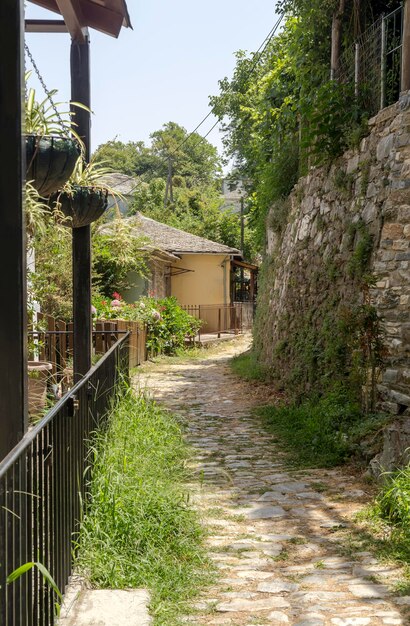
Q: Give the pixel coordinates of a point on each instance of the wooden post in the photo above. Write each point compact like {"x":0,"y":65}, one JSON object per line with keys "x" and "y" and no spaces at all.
{"x":80,"y":92}
{"x":336,"y":39}
{"x":405,"y":62}
{"x":13,"y":327}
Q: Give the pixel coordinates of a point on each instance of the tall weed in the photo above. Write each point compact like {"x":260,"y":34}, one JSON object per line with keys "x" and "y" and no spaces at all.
{"x":139,"y":529}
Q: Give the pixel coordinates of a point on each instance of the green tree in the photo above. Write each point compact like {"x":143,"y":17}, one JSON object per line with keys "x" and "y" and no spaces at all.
{"x":192,"y":157}
{"x":133,"y":158}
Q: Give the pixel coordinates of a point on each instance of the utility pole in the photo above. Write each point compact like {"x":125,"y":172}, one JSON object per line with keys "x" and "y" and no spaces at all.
{"x":168,"y":188}
{"x":242,"y":241}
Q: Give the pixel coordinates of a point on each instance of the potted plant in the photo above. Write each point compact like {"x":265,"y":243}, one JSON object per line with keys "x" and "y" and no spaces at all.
{"x":52,"y":147}
{"x":84,"y":197}
{"x":38,"y":376}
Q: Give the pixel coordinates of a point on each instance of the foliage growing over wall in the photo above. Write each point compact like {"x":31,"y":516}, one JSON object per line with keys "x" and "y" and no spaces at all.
{"x":281,"y":112}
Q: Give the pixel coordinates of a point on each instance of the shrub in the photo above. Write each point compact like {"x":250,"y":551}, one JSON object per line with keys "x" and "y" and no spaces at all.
{"x":316,"y":432}
{"x":167,"y":323}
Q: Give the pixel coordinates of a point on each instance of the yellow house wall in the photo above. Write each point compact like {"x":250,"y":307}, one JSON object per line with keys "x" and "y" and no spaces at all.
{"x":205,"y":284}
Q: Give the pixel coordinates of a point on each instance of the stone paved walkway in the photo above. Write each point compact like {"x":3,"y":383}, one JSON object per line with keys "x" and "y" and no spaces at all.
{"x":275,"y":533}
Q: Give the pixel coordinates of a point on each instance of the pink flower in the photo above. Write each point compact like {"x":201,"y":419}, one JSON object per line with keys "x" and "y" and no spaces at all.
{"x":156,"y":315}
{"x":93,"y":310}
{"x":116,"y":303}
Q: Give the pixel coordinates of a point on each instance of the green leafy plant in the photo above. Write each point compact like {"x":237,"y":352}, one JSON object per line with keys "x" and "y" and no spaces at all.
{"x":45,"y":118}
{"x":93,"y":175}
{"x":394,"y":499}
{"x":168,"y":324}
{"x":36,"y":211}
{"x":26,"y":567}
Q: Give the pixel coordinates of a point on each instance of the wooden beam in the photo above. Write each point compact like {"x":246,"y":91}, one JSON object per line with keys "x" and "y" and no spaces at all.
{"x":103,"y":19}
{"x":51,"y":5}
{"x":405,"y":64}
{"x":13,"y":322}
{"x":73,"y":17}
{"x":45,"y":26}
{"x":108,"y":20}
{"x":80,"y":92}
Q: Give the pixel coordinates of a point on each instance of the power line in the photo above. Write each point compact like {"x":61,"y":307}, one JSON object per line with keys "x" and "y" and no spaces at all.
{"x":256,"y":59}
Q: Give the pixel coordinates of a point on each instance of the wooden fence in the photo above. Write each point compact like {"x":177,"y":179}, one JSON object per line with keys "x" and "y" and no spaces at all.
{"x":52,"y":341}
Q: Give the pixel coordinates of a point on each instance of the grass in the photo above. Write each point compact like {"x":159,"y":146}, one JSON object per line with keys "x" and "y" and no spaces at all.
{"x":246,"y":366}
{"x":314,"y":432}
{"x":387,"y":521}
{"x":139,"y":529}
{"x":320,"y":433}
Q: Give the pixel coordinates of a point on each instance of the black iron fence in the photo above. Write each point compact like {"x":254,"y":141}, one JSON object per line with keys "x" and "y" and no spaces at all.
{"x":42,"y":490}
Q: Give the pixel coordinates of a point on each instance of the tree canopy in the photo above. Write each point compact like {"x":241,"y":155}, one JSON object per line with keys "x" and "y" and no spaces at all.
{"x":281,"y":113}
{"x":179,"y":183}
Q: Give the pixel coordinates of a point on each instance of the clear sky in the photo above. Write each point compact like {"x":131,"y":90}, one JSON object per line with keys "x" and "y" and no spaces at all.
{"x":163,"y":70}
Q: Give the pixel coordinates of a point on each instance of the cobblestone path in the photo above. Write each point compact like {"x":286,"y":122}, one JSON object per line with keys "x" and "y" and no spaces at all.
{"x":279,"y":537}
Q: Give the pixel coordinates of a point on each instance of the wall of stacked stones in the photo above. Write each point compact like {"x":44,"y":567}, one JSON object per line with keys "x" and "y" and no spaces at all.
{"x":370,"y":187}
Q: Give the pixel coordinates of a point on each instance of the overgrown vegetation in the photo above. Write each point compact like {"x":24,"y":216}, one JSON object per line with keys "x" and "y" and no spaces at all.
{"x":281,"y":113}
{"x":393,"y":503}
{"x":384,"y":525}
{"x":168,"y":324}
{"x":321,"y":432}
{"x":139,"y":529}
{"x":246,"y":365}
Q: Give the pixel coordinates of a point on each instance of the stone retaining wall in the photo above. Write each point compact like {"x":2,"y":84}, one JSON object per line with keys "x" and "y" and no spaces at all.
{"x":366,"y":193}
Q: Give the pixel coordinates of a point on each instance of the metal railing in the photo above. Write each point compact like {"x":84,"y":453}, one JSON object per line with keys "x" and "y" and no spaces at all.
{"x":43,"y":483}
{"x":219,"y":319}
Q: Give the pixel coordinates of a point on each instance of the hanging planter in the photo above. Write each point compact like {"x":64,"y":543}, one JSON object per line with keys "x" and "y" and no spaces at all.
{"x":84,"y":197}
{"x":82,"y":205}
{"x":50,"y":161}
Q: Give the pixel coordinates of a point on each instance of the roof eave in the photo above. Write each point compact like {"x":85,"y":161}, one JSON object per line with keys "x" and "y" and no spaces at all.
{"x":79,"y":15}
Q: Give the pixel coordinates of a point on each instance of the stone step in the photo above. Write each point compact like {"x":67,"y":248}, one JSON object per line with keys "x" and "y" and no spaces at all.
{"x":107,"y":607}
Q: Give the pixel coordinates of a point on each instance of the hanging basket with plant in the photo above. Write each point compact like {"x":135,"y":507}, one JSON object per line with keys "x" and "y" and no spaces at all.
{"x":81,"y":205}
{"x":50,"y":162}
{"x":84,"y":198}
{"x":52,"y":146}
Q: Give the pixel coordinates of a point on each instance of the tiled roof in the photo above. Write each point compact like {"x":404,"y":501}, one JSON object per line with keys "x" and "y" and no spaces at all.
{"x":121,"y":183}
{"x":177,"y":241}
